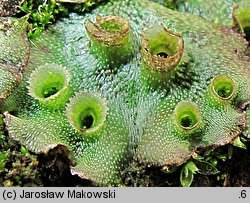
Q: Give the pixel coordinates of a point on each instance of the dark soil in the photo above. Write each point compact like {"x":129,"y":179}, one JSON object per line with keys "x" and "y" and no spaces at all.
{"x":9,"y":7}
{"x":55,"y":171}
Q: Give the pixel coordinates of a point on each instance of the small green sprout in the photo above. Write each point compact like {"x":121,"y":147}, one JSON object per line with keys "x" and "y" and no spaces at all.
{"x":238,"y":143}
{"x":197,"y":165}
{"x":3,"y":158}
{"x":41,"y":14}
{"x":1,"y":121}
{"x":169,"y":169}
{"x":187,"y":173}
{"x":24,"y":151}
{"x":207,"y":166}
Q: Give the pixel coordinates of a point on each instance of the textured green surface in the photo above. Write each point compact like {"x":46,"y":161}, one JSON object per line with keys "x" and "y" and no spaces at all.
{"x":217,"y":11}
{"x":14,"y":53}
{"x":140,"y":122}
{"x":247,"y":130}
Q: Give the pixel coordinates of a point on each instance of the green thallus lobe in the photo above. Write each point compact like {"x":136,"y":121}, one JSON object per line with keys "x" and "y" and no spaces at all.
{"x":14,"y":53}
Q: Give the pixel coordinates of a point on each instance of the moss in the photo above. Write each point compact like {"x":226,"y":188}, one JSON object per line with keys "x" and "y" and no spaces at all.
{"x":17,"y":166}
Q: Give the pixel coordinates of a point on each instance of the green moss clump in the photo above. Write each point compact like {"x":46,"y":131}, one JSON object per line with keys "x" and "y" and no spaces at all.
{"x":17,"y":166}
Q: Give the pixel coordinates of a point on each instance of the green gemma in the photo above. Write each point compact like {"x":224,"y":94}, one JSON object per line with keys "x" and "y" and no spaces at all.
{"x":50,"y":84}
{"x":87,"y":112}
{"x":162,"y":50}
{"x":187,"y":116}
{"x":111,"y":39}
